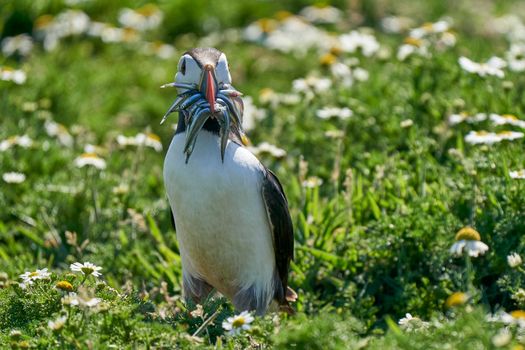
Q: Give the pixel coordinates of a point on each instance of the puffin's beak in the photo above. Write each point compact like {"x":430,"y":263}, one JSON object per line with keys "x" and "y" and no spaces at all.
{"x":209,"y":88}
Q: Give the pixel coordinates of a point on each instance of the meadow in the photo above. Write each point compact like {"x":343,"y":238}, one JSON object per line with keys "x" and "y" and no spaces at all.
{"x":396,"y":128}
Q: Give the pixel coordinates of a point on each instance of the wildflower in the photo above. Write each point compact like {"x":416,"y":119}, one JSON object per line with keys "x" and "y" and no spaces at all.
{"x":482,"y":137}
{"x":514,"y":260}
{"x":519,"y":296}
{"x":59,"y":131}
{"x":149,"y":140}
{"x":468,"y":240}
{"x":86,"y":268}
{"x":502,"y":338}
{"x":17,"y":76}
{"x":64,"y":285}
{"x":493,"y":66}
{"x":159,"y":49}
{"x":15,"y":334}
{"x":456,"y":299}
{"x":507,"y":119}
{"x":410,"y":323}
{"x":147,"y":17}
{"x":355,"y":40}
{"x":82,"y":301}
{"x":236,"y":324}
{"x":13,"y":177}
{"x":268,"y":148}
{"x":406,"y":123}
{"x":517,"y":174}
{"x":312,"y":182}
{"x":514,"y":317}
{"x":516,"y":57}
{"x":454,"y":119}
{"x":510,"y":135}
{"x":57,"y":324}
{"x":394,"y":24}
{"x":412,"y":46}
{"x":321,"y":14}
{"x":251,"y":114}
{"x":90,"y":159}
{"x":198,"y":312}
{"x":21,"y":44}
{"x":29,"y":277}
{"x":334,"y":112}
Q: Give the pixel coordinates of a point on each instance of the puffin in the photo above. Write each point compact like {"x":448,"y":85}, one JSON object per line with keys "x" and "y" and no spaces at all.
{"x":229,"y":211}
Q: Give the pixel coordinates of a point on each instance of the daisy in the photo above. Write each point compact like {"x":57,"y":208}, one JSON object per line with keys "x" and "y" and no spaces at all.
{"x":517,"y":174}
{"x":86,"y":268}
{"x":493,"y":66}
{"x":268,"y":148}
{"x":82,"y":301}
{"x":516,"y":57}
{"x":321,"y":14}
{"x":510,"y":135}
{"x":13,"y":177}
{"x":334,"y":112}
{"x":147,"y":17}
{"x":149,"y":140}
{"x":355,"y":40}
{"x":482,"y":137}
{"x":468,"y":240}
{"x":57,"y":324}
{"x":251,"y":114}
{"x":29,"y":277}
{"x":17,"y":76}
{"x":502,"y":338}
{"x":21,"y":44}
{"x":90,"y":159}
{"x":507,"y":119}
{"x":23,"y":141}
{"x":410,"y":323}
{"x":514,"y":260}
{"x":59,"y":131}
{"x":236,"y":324}
{"x":413,"y":46}
{"x":312,"y":182}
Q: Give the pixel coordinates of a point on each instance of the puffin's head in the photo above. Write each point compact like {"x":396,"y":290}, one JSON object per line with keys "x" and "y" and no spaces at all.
{"x":204,"y":84}
{"x":206,"y":68}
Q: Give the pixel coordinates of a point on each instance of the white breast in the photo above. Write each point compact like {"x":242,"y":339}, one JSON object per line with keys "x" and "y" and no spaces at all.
{"x":222,"y":226}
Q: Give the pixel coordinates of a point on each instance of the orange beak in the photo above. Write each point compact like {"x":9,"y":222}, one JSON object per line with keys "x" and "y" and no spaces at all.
{"x":211,"y":91}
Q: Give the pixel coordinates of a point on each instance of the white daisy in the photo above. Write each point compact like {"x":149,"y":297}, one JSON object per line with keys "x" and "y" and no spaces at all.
{"x":21,"y":44}
{"x":17,"y":76}
{"x":268,"y":148}
{"x":13,"y":177}
{"x":482,"y":137}
{"x":147,"y":17}
{"x":59,"y":131}
{"x":251,"y":114}
{"x":502,"y":338}
{"x":236,"y":324}
{"x":29,"y":277}
{"x":468,"y":240}
{"x":82,"y":301}
{"x":493,"y":66}
{"x":510,"y":135}
{"x":149,"y":140}
{"x":517,"y":174}
{"x":514,"y":260}
{"x":312,"y":182}
{"x":321,"y":14}
{"x":334,"y":112}
{"x":354,"y":41}
{"x":516,"y":57}
{"x":410,"y":323}
{"x":86,"y":268}
{"x":90,"y":159}
{"x":510,"y":119}
{"x":57,"y":324}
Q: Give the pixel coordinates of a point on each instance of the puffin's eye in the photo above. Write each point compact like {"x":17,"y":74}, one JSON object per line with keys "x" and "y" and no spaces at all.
{"x":183,"y":67}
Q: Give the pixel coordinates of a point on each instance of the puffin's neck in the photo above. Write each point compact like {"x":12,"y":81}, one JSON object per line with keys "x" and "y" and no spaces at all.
{"x":211,"y":125}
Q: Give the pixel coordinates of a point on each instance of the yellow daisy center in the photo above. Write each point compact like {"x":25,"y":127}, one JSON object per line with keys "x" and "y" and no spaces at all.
{"x":281,"y":15}
{"x":153,"y":136}
{"x":87,"y":270}
{"x":518,"y":314}
{"x":33,"y":274}
{"x":456,"y":299}
{"x":64,"y":285}
{"x":510,"y":116}
{"x":148,"y":10}
{"x":413,"y":41}
{"x":468,"y":234}
{"x":327,"y":59}
{"x":89,"y":155}
{"x":238,"y":322}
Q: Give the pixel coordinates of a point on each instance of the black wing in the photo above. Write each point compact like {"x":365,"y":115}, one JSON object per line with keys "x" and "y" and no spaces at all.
{"x":281,"y":226}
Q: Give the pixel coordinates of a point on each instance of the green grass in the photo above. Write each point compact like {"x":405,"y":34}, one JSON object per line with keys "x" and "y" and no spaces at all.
{"x":372,"y":241}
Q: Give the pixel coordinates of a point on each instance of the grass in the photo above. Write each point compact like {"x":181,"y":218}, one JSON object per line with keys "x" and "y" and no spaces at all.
{"x":376,"y":199}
